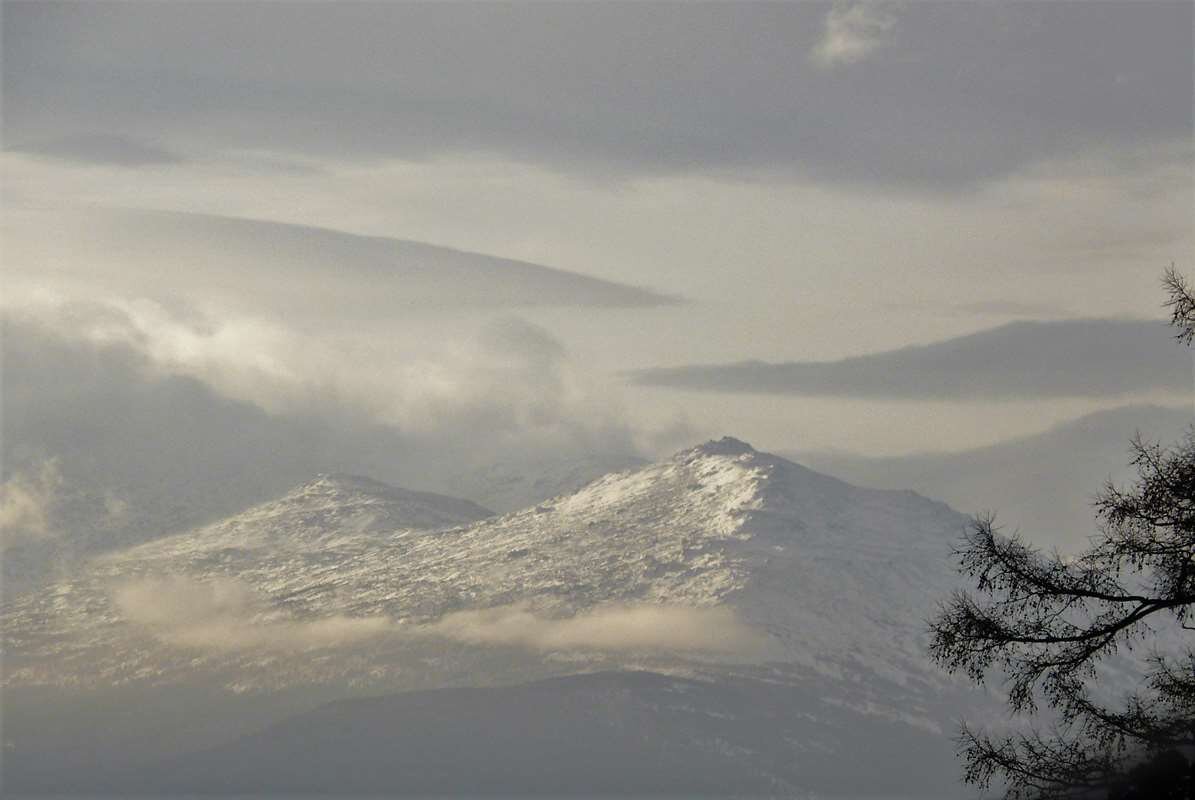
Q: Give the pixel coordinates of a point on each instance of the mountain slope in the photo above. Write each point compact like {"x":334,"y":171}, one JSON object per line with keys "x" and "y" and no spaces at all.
{"x":335,"y":505}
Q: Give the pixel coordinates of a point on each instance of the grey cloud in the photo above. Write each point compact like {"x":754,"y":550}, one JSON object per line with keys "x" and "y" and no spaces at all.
{"x":852,"y":33}
{"x":285,"y":267}
{"x":985,"y":308}
{"x":524,"y":340}
{"x":104,"y":149}
{"x":1073,"y":358}
{"x":959,"y":93}
{"x":166,"y":447}
{"x":1128,"y":240}
{"x":1011,"y":308}
{"x":257,"y":162}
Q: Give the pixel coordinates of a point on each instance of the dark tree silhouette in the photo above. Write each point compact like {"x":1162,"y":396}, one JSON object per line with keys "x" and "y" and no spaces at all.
{"x":1045,"y":623}
{"x":1168,"y":775}
{"x":1181,"y":303}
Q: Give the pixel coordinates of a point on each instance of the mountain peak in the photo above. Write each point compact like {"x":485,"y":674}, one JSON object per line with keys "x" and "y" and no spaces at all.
{"x":726,"y":446}
{"x":335,"y":504}
{"x":344,"y":481}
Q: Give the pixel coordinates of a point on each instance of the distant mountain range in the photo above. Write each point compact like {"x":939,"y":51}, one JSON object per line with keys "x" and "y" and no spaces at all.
{"x":1041,"y":484}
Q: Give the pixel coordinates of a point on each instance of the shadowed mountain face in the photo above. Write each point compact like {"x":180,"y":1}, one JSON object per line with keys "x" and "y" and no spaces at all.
{"x":603,"y":734}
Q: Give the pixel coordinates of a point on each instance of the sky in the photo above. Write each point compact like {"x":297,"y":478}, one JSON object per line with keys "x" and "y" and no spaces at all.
{"x":515,"y":231}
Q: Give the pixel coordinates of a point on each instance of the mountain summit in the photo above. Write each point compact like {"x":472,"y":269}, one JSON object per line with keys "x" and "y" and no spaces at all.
{"x":726,"y":446}
{"x":353,"y":502}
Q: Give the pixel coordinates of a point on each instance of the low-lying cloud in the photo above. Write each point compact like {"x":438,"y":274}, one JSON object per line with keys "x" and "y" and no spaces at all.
{"x":1071,"y":358}
{"x":227,"y":615}
{"x":715,"y":630}
{"x":27,"y":501}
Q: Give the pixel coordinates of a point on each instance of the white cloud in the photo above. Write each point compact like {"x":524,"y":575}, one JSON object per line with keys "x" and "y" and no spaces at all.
{"x":609,"y":629}
{"x":227,"y":615}
{"x":499,"y":383}
{"x":27,"y":502}
{"x":852,"y":33}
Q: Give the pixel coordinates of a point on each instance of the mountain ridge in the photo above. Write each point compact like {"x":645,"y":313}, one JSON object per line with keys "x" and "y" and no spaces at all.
{"x":817,"y":566}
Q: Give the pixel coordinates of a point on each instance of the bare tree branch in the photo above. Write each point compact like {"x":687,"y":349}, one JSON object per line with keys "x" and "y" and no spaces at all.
{"x":1044,"y":623}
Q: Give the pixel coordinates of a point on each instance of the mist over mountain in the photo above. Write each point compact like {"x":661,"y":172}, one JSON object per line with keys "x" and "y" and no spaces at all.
{"x":105,"y":448}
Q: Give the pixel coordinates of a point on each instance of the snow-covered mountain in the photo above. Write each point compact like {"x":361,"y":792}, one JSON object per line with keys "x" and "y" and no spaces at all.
{"x":827,"y":575}
{"x":328,"y":508}
{"x":720,"y":563}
